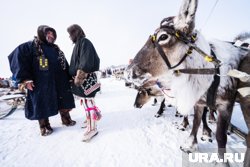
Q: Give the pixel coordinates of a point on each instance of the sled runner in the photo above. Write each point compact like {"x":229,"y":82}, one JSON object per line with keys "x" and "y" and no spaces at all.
{"x":9,"y":104}
{"x":234,"y":129}
{"x":12,"y":96}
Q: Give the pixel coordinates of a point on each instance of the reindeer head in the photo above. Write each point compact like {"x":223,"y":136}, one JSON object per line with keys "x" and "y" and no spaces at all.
{"x":168,"y":42}
{"x":142,"y":97}
{"x":145,"y":92}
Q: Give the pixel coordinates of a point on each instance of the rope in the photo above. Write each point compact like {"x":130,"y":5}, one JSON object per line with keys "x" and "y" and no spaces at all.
{"x":208,"y":17}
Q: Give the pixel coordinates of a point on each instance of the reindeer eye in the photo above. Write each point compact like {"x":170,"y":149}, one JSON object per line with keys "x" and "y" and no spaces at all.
{"x":163,"y":37}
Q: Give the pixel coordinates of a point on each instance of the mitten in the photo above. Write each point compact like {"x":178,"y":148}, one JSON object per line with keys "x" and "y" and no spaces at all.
{"x":79,"y":78}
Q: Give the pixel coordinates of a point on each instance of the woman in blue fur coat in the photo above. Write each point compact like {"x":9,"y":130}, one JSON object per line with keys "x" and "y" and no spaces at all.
{"x":41,"y":67}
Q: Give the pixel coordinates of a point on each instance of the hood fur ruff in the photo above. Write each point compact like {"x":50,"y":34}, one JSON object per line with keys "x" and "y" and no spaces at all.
{"x":42,"y":30}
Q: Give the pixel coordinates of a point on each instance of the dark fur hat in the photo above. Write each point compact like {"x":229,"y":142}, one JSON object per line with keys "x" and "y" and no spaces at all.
{"x":42,"y":30}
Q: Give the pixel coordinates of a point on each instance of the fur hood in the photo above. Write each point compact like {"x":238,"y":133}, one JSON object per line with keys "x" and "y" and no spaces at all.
{"x":42,"y":30}
{"x":75,"y":32}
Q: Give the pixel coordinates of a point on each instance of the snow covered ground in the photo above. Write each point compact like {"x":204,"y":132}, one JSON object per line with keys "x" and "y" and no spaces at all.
{"x":128,"y":137}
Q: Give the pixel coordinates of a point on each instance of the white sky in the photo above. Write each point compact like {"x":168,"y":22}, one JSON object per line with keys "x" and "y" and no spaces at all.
{"x":117,"y":28}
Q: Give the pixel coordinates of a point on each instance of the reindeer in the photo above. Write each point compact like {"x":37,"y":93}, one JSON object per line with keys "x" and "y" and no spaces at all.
{"x":147,"y":91}
{"x":194,"y":69}
{"x":245,"y":104}
{"x":152,"y":89}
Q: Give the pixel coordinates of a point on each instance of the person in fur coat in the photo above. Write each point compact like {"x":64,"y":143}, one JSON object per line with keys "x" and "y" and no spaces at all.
{"x":41,"y":67}
{"x":84,"y":63}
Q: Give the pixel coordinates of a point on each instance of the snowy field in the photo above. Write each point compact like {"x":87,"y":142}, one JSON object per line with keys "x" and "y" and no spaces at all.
{"x":128,"y":137}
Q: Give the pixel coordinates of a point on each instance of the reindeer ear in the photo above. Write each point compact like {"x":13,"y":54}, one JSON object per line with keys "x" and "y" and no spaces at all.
{"x":185,"y":21}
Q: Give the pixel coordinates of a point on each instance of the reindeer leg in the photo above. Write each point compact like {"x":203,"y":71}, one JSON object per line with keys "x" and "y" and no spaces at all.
{"x":184,"y":124}
{"x":245,"y":107}
{"x":221,"y":134}
{"x":191,"y":143}
{"x":223,"y":120}
{"x":155,"y":102}
{"x":206,"y":132}
{"x":161,"y":109}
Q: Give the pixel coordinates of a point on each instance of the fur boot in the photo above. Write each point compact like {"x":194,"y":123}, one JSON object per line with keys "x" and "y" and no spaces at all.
{"x":91,"y":128}
{"x":66,"y":119}
{"x":45,"y":127}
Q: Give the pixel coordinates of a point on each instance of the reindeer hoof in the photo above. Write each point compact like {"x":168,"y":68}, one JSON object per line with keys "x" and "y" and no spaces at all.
{"x":181,"y":128}
{"x":207,"y":138}
{"x":157,"y":115}
{"x":178,"y":115}
{"x":185,"y":150}
{"x":190,"y":145}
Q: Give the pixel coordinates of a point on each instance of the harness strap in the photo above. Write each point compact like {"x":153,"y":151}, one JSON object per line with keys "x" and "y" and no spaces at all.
{"x":163,"y":89}
{"x":212,"y":91}
{"x":163,"y":55}
{"x":190,"y":41}
{"x":202,"y":71}
{"x":207,"y":57}
{"x":165,"y":92}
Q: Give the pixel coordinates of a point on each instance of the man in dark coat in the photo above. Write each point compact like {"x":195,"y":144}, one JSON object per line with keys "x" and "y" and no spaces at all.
{"x":41,"y":67}
{"x":84,"y":63}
